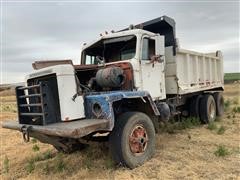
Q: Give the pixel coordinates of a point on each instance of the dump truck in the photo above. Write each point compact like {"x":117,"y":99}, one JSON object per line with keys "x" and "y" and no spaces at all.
{"x":127,"y":83}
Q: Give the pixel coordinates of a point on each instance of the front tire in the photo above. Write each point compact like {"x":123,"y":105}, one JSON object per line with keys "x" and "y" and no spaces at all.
{"x":132,"y":141}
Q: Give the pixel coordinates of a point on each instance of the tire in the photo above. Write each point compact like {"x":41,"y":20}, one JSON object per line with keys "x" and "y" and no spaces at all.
{"x":219,"y":103}
{"x":194,"y":106}
{"x":132,"y":141}
{"x":207,"y":109}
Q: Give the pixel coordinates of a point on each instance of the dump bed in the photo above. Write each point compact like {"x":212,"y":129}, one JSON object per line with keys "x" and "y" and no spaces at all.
{"x":190,"y":71}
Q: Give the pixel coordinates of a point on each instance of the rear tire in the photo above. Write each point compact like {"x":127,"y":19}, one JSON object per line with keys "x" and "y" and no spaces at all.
{"x":219,"y":103}
{"x":194,"y":106}
{"x":132,"y":141}
{"x":207,"y":109}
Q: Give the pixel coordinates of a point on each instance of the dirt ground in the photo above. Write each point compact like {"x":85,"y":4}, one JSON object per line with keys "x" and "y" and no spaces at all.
{"x":185,"y":154}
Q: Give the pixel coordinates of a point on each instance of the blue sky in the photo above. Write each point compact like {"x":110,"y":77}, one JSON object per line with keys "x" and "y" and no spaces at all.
{"x":34,"y":30}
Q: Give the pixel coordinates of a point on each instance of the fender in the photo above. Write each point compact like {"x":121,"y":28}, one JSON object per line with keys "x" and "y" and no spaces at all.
{"x":100,"y":105}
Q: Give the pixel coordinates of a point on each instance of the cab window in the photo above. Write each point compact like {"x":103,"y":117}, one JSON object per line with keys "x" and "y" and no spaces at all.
{"x":111,"y":50}
{"x":148,"y":48}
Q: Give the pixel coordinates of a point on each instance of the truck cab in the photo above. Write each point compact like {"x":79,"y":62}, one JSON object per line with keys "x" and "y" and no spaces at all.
{"x":143,"y":50}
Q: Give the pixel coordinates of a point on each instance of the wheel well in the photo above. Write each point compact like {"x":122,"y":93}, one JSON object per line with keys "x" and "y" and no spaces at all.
{"x":136,"y":104}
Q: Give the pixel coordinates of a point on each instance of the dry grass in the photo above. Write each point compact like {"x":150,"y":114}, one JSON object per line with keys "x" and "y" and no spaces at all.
{"x":7,"y":92}
{"x":203,"y":156}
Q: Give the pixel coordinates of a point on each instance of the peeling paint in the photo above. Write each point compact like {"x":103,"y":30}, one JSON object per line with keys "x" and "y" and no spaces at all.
{"x":106,"y":99}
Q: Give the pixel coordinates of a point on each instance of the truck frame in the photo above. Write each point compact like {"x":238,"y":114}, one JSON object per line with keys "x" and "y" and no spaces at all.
{"x":127,"y":83}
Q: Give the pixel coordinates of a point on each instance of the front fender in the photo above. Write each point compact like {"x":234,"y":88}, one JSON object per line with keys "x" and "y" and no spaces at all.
{"x":106,"y":100}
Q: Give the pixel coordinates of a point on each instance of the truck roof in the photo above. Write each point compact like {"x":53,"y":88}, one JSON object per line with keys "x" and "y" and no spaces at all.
{"x":117,"y":34}
{"x":163,"y":25}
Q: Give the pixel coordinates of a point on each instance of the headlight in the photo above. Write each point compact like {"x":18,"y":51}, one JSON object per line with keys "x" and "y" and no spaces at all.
{"x":97,"y":109}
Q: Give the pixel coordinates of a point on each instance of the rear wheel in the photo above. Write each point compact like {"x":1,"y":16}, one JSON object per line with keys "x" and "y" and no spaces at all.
{"x":219,"y":103}
{"x":207,"y":109}
{"x":132,"y":140}
{"x":194,"y":106}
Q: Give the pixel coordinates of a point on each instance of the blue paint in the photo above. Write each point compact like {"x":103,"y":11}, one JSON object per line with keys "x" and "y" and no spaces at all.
{"x":106,"y":99}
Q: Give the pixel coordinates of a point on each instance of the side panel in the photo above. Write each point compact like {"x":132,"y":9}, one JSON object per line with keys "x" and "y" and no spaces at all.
{"x":136,"y":73}
{"x":152,"y":73}
{"x":153,"y":80}
{"x":70,"y":109}
{"x":190,"y":71}
{"x":171,"y":79}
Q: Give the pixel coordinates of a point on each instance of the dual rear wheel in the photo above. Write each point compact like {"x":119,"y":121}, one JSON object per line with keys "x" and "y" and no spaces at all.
{"x":207,"y":107}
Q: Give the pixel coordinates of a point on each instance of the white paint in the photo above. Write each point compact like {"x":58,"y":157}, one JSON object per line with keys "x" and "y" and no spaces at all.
{"x":152,"y":74}
{"x":69,"y":109}
{"x":191,"y":71}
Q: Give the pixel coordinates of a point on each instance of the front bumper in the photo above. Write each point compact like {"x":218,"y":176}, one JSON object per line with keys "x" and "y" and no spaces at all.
{"x":73,"y":129}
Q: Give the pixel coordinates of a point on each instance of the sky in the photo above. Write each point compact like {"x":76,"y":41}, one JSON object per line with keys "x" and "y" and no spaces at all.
{"x":32,"y":30}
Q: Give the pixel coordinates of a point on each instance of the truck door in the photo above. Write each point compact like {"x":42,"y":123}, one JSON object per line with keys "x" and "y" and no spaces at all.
{"x":152,"y":70}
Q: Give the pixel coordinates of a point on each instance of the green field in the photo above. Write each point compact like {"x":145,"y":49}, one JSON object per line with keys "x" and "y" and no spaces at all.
{"x":231,"y":77}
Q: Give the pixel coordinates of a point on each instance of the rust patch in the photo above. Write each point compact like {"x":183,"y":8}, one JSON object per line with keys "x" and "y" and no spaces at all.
{"x":42,"y":64}
{"x":85,"y":67}
{"x":128,"y":84}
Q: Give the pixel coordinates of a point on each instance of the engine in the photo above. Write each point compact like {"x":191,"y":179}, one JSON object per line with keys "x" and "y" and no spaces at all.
{"x":110,"y":77}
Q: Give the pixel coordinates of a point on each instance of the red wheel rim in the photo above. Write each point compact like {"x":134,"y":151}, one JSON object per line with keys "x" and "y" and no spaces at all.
{"x":138,"y":140}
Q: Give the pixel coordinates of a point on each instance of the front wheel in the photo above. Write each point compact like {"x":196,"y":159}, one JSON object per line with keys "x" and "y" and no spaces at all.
{"x":132,"y":141}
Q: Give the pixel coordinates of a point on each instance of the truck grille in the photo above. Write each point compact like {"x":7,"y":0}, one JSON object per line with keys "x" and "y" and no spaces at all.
{"x":38,"y":102}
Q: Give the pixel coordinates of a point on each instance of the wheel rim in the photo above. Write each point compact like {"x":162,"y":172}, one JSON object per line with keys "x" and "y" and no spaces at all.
{"x":212,"y":111}
{"x":138,"y":140}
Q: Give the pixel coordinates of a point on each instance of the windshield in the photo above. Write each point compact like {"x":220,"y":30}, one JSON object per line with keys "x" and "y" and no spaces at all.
{"x":110,"y":50}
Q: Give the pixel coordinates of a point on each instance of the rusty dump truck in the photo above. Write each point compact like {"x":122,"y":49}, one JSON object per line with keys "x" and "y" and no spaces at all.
{"x":127,"y":83}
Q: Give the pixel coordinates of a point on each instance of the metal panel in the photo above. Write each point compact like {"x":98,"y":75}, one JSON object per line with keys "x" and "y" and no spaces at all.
{"x":106,"y":99}
{"x":42,"y":64}
{"x":194,"y":72}
{"x":73,"y":129}
{"x":163,"y":25}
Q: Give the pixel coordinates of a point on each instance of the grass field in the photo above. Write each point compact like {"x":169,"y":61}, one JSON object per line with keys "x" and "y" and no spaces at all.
{"x":230,"y":77}
{"x":184,"y":151}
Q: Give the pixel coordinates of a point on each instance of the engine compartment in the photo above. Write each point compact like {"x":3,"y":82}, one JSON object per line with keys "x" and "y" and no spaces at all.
{"x":109,"y":77}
